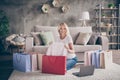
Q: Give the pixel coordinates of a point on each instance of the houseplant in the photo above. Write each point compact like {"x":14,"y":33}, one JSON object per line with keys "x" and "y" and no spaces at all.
{"x":4,"y":30}
{"x":111,"y":5}
{"x":103,"y":15}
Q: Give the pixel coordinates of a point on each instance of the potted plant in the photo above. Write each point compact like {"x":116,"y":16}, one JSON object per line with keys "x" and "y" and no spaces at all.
{"x":109,"y":28}
{"x":111,"y":5}
{"x":4,"y":30}
{"x":103,"y":15}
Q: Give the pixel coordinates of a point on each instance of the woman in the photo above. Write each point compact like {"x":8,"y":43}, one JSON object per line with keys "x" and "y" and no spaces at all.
{"x":65,"y":38}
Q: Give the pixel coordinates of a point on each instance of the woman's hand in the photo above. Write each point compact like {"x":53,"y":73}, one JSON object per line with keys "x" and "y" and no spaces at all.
{"x":66,"y":46}
{"x":50,"y":43}
{"x":68,"y":49}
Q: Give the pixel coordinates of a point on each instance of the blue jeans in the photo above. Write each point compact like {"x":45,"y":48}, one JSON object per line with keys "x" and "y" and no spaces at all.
{"x":71,"y":62}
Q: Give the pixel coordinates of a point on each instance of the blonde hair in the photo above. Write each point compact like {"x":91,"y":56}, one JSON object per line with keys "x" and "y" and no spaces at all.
{"x":66,"y":26}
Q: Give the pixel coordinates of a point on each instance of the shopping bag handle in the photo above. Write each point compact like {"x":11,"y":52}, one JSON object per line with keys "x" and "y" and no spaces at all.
{"x":18,"y":58}
{"x":52,"y":59}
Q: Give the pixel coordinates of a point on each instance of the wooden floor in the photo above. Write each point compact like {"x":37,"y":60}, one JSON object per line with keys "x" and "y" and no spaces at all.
{"x":6,"y":66}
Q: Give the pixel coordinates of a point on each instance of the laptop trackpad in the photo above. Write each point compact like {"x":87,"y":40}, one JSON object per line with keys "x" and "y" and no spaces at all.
{"x":85,"y":71}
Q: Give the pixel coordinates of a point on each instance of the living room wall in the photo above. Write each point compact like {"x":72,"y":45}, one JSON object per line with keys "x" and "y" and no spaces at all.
{"x":24,"y":14}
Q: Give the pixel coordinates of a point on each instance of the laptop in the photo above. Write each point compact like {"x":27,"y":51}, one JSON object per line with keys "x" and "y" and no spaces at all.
{"x":84,"y":71}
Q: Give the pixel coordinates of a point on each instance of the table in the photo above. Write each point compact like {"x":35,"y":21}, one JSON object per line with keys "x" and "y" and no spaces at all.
{"x":16,"y":48}
{"x":16,"y":43}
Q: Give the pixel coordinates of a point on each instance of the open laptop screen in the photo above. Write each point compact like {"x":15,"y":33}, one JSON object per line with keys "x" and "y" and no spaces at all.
{"x":84,"y":71}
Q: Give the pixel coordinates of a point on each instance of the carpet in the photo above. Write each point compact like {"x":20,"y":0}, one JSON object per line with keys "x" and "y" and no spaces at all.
{"x":111,"y":73}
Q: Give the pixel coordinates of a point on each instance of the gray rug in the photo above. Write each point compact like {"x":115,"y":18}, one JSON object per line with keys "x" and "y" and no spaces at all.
{"x":111,"y":73}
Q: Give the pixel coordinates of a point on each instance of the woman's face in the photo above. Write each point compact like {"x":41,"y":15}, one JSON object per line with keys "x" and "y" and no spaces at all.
{"x":62,"y":30}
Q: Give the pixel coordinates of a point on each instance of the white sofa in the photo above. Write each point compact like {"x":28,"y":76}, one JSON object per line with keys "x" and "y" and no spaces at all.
{"x":102,"y":41}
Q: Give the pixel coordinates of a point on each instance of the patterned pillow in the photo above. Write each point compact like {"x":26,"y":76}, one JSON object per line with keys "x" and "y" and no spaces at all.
{"x":83,"y":38}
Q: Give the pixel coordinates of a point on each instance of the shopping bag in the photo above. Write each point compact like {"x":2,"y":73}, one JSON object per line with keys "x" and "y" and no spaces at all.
{"x":29,"y":44}
{"x":96,"y":58}
{"x":22,"y":62}
{"x":88,"y":58}
{"x":33,"y":58}
{"x":54,"y":64}
{"x":39,"y":60}
{"x":106,"y":59}
{"x":102,"y":61}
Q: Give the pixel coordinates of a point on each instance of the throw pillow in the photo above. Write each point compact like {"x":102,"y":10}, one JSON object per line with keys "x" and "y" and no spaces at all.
{"x":47,"y":37}
{"x":83,"y":38}
{"x":37,"y":38}
{"x":93,"y":38}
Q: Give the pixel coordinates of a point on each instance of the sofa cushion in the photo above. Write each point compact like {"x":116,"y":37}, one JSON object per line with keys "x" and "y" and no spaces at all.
{"x":37,"y":38}
{"x":74,"y":31}
{"x":78,"y":48}
{"x":47,"y":37}
{"x":53,"y":29}
{"x":93,"y":38}
{"x":83,"y":48}
{"x":83,"y":38}
{"x":40,"y":49}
